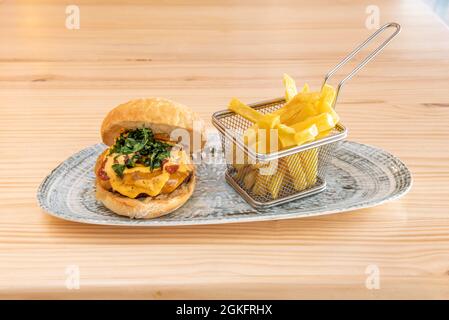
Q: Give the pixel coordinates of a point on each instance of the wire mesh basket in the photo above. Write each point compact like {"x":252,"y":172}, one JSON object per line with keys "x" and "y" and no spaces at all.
{"x":268,"y":179}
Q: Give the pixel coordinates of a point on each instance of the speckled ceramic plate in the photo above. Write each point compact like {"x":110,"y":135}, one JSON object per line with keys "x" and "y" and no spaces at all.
{"x":359,"y":176}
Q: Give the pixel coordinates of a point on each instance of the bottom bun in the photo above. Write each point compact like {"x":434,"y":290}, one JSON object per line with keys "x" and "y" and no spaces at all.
{"x":149,"y":207}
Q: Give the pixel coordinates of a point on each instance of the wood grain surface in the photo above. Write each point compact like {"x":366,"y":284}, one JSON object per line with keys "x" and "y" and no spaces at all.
{"x":57,"y":84}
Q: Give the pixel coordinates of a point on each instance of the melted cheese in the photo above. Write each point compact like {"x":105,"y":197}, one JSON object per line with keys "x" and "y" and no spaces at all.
{"x":175,"y":181}
{"x":143,"y":180}
{"x":180,"y":158}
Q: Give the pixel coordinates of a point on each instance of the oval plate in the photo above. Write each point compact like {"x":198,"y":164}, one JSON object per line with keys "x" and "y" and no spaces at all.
{"x":359,"y":176}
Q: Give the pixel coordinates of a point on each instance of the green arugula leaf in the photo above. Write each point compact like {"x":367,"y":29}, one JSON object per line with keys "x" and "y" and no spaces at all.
{"x":145,"y":149}
{"x":118,"y":169}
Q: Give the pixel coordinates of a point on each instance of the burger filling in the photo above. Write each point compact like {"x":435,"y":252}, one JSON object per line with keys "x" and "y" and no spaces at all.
{"x":141,"y":163}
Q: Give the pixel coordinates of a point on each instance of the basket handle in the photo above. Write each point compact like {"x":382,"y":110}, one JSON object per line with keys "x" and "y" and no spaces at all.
{"x":365,"y":61}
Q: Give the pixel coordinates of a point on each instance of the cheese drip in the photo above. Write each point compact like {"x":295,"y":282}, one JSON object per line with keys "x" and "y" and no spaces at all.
{"x":143,"y":180}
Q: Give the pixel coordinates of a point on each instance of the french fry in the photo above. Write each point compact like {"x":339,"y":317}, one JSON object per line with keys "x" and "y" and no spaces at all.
{"x":236,"y":156}
{"x":307,"y":111}
{"x":296,"y":104}
{"x":306,"y":97}
{"x":238,"y":166}
{"x":290,"y":87}
{"x":288,"y":112}
{"x":286,"y":136}
{"x":327,"y":97}
{"x":325,"y":107}
{"x":245,"y":111}
{"x":298,"y":99}
{"x":265,"y":139}
{"x":306,"y":135}
{"x":327,"y":94}
{"x":309,"y":160}
{"x":268,"y":139}
{"x":264,"y":165}
{"x":305,"y":88}
{"x":298,"y":137}
{"x":275,"y":183}
{"x":296,"y":171}
{"x":323,"y":134}
{"x":241,"y":171}
{"x":262,"y":140}
{"x":269,"y":121}
{"x":261,"y":183}
{"x":262,"y":124}
{"x":250,"y":179}
{"x":250,"y":135}
{"x":260,"y":146}
{"x":323,"y":121}
{"x":291,"y":112}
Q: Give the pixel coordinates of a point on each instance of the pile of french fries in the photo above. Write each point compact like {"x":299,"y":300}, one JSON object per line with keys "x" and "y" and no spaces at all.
{"x":305,"y":117}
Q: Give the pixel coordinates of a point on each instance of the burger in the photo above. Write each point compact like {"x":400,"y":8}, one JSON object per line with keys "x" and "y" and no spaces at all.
{"x":147,"y":171}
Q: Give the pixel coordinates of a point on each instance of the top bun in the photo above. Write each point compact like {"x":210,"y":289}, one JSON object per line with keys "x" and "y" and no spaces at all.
{"x":159,"y":114}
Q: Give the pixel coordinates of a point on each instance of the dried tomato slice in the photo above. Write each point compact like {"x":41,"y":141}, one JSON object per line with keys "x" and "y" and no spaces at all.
{"x":101,"y":173}
{"x":172,"y":168}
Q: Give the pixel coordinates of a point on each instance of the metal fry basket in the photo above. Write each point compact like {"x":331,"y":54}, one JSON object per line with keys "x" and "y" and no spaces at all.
{"x":269,"y":179}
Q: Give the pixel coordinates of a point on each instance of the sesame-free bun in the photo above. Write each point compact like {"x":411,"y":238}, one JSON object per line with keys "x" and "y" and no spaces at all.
{"x":159,"y":114}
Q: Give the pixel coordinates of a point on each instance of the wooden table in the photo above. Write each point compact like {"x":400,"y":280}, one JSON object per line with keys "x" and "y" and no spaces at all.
{"x":56,"y":85}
